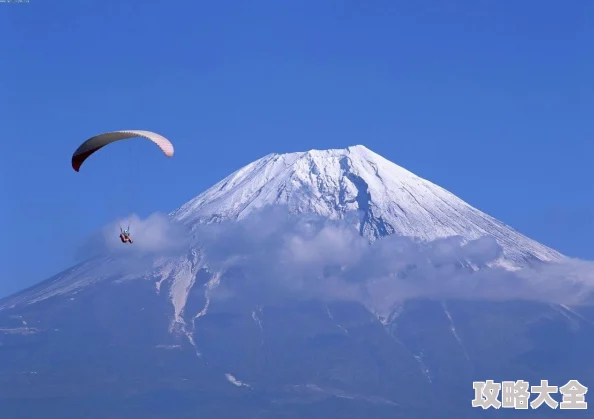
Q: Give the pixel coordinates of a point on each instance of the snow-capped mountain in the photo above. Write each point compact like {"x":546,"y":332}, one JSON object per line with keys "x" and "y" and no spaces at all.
{"x":334,"y":183}
{"x":331,"y":183}
{"x":107,"y":340}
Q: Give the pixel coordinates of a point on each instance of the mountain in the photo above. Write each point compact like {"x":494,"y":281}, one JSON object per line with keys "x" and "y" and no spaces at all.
{"x":334,"y":183}
{"x":137,"y":336}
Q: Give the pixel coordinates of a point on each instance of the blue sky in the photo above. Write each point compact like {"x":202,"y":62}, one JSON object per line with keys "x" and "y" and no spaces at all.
{"x":491,"y":100}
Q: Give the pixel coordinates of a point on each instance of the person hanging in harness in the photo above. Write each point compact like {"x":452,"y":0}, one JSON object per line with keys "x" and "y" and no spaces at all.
{"x":125,"y":235}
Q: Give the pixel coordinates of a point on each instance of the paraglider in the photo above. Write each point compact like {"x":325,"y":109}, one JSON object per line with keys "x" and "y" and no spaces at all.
{"x":90,"y":146}
{"x":125,"y":235}
{"x":86,"y":149}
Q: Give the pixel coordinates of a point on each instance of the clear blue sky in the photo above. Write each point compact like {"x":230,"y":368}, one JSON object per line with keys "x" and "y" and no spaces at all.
{"x":492,"y":100}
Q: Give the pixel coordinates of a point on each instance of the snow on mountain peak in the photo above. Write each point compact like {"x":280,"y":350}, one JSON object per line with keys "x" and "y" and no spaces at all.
{"x":335,"y":182}
{"x":325,"y":182}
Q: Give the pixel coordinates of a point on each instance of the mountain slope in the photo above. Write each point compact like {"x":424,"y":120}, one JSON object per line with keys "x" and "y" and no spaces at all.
{"x":334,"y":183}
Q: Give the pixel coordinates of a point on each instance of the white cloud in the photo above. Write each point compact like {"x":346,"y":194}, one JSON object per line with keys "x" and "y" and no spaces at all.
{"x":277,"y":255}
{"x":272,"y":254}
{"x":155,"y":235}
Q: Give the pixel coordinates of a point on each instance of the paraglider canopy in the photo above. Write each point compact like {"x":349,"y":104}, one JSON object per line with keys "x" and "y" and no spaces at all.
{"x":99,"y":141}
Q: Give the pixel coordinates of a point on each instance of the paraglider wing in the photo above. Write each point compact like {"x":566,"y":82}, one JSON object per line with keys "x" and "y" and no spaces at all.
{"x":99,"y":141}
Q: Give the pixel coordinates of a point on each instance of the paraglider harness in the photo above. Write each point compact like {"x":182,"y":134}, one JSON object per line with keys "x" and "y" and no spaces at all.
{"x":125,"y":235}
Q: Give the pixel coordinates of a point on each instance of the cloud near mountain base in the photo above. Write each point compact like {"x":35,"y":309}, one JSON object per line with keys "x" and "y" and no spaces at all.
{"x":272,"y":254}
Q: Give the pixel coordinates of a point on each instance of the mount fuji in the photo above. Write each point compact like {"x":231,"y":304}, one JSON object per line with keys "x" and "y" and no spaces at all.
{"x":333,"y":183}
{"x":184,"y":331}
